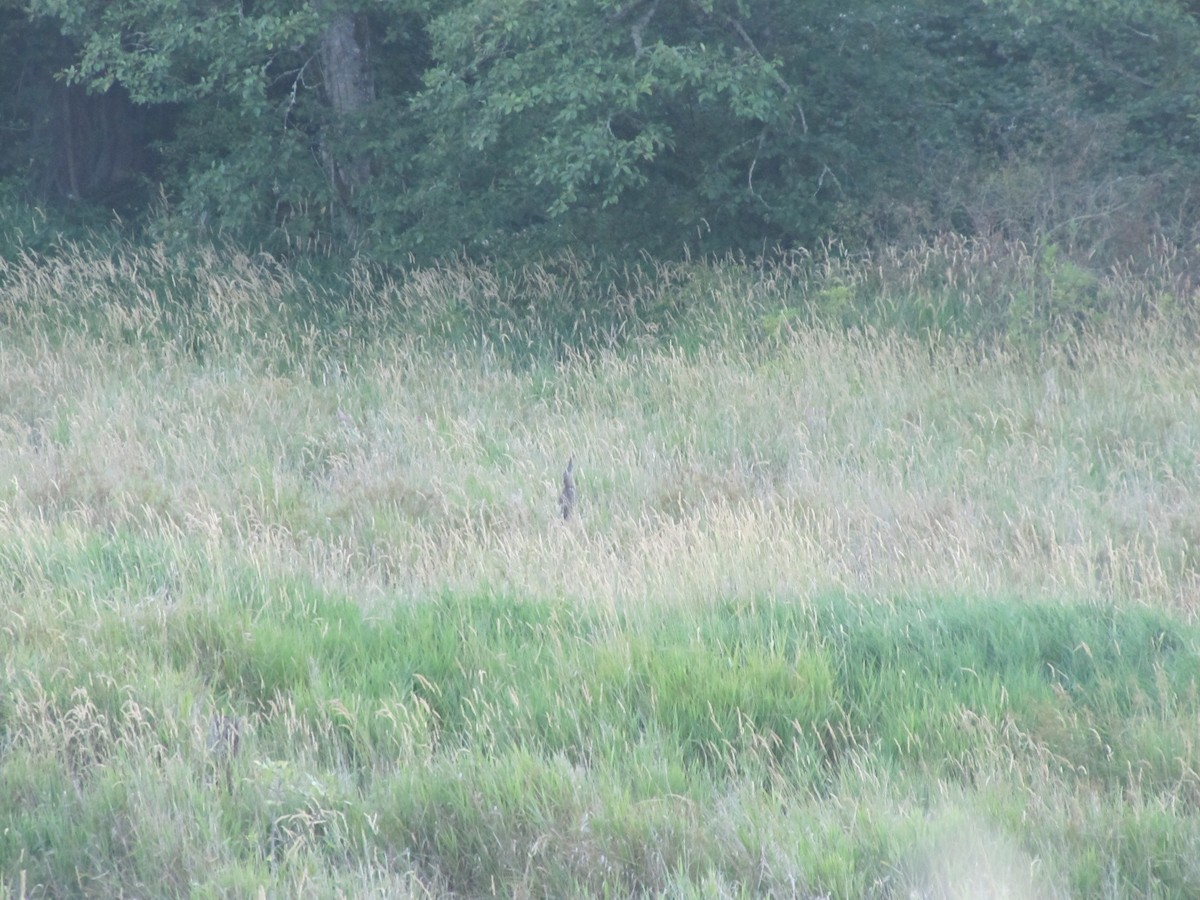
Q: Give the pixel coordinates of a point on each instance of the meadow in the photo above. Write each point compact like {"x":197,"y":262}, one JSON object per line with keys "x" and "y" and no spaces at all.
{"x":882,"y":580}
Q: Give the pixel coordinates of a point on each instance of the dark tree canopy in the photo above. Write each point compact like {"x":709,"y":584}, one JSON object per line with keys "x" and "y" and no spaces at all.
{"x":427,"y":127}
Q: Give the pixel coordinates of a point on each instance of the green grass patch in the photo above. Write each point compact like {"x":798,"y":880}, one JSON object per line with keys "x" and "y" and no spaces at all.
{"x":470,"y":737}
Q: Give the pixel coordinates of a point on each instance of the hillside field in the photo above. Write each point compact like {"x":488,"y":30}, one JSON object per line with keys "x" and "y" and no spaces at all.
{"x":882,"y":579}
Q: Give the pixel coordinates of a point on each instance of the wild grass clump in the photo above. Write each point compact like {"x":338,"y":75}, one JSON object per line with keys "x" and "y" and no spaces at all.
{"x":986,"y":291}
{"x":881,"y":608}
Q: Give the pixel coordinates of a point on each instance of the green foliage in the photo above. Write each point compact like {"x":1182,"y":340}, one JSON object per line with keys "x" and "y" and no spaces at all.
{"x":509,"y":129}
{"x":446,"y":722}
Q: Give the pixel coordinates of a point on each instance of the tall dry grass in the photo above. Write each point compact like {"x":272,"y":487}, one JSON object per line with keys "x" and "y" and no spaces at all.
{"x":222,"y":487}
{"x":810,"y":459}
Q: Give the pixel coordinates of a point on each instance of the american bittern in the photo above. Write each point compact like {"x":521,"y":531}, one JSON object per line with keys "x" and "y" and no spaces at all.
{"x":566,"y":500}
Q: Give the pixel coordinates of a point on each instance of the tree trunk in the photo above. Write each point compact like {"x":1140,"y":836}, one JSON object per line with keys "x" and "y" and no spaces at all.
{"x":349,"y":89}
{"x":98,"y":145}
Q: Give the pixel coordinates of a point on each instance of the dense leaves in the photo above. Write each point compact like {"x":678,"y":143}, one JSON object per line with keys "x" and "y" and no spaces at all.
{"x":511,"y":126}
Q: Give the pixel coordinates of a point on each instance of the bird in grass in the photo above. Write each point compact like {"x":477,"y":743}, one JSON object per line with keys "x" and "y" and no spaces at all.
{"x":566,"y":500}
{"x":224,"y":736}
{"x":224,"y":741}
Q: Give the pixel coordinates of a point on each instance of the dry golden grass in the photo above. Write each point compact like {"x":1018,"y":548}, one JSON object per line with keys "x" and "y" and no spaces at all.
{"x":822,"y":459}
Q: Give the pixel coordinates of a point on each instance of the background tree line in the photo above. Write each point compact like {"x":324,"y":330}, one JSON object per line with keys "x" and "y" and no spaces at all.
{"x":401,"y":128}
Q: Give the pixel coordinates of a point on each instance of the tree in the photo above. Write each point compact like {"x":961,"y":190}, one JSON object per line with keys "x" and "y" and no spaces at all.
{"x":430,"y":126}
{"x":350,"y":91}
{"x":264,"y":96}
